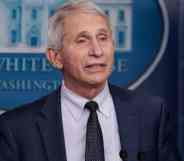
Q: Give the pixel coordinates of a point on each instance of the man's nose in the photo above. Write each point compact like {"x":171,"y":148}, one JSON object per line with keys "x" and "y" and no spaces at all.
{"x":96,"y":49}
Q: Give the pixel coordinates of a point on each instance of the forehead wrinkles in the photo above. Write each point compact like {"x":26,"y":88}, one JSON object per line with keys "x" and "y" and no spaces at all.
{"x":76,"y":19}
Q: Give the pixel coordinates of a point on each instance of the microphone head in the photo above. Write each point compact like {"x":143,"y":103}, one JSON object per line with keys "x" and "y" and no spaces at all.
{"x":123,"y":154}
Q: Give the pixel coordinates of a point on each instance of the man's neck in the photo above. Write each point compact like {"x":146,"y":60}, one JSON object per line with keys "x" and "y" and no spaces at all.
{"x":87,"y":91}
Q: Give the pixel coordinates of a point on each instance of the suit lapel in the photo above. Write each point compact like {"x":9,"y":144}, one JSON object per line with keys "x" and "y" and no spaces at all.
{"x":128,"y":123}
{"x":51,"y":129}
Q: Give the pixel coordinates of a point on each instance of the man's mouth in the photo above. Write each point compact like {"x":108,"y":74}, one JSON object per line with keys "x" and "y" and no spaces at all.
{"x":95,"y":67}
{"x":96,"y":64}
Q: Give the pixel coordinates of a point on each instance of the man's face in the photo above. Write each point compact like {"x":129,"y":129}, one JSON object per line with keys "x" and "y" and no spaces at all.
{"x":88,"y":50}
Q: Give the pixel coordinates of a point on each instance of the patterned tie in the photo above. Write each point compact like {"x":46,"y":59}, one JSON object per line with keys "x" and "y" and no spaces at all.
{"x":94,"y":138}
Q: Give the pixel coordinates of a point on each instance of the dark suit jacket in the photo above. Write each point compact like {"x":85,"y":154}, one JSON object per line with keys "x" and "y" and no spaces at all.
{"x":35,"y":132}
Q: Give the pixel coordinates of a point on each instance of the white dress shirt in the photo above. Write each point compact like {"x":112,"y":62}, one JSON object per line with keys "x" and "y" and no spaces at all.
{"x":75,"y":119}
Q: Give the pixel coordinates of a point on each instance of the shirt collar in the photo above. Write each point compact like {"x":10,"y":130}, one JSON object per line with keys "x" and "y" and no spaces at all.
{"x":78,"y":102}
{"x":101,"y":99}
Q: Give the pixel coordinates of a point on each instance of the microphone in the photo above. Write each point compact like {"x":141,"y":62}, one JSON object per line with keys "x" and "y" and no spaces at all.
{"x":123,"y":155}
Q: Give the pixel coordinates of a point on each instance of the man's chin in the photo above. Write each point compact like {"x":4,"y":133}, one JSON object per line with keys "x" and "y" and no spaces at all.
{"x":97,"y":82}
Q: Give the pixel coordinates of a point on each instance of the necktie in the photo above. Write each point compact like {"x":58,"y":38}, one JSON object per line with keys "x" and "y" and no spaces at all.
{"x":94,"y":138}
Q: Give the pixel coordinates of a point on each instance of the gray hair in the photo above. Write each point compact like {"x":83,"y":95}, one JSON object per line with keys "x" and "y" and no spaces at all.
{"x":56,"y":22}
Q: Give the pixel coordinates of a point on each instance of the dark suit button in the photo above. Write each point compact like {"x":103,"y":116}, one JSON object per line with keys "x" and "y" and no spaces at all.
{"x":123,"y":155}
{"x":140,"y":156}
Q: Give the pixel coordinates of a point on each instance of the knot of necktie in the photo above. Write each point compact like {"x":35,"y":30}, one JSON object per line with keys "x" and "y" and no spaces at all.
{"x":92,"y":106}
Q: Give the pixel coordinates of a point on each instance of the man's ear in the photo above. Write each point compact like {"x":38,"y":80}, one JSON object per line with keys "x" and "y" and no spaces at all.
{"x":55,"y":58}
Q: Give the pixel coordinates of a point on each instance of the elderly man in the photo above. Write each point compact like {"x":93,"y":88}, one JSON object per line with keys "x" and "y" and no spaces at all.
{"x":86,"y":119}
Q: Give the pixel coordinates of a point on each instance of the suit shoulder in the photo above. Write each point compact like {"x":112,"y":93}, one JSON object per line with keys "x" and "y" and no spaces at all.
{"x":23,"y":113}
{"x":27,"y":110}
{"x":137,"y":98}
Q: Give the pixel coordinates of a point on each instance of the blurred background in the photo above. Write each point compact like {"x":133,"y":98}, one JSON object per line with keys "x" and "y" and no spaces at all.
{"x":149,"y":55}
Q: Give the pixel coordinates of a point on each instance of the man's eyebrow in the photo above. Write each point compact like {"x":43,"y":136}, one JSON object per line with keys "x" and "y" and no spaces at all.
{"x":86,"y":33}
{"x":83,"y":33}
{"x":103,"y":30}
